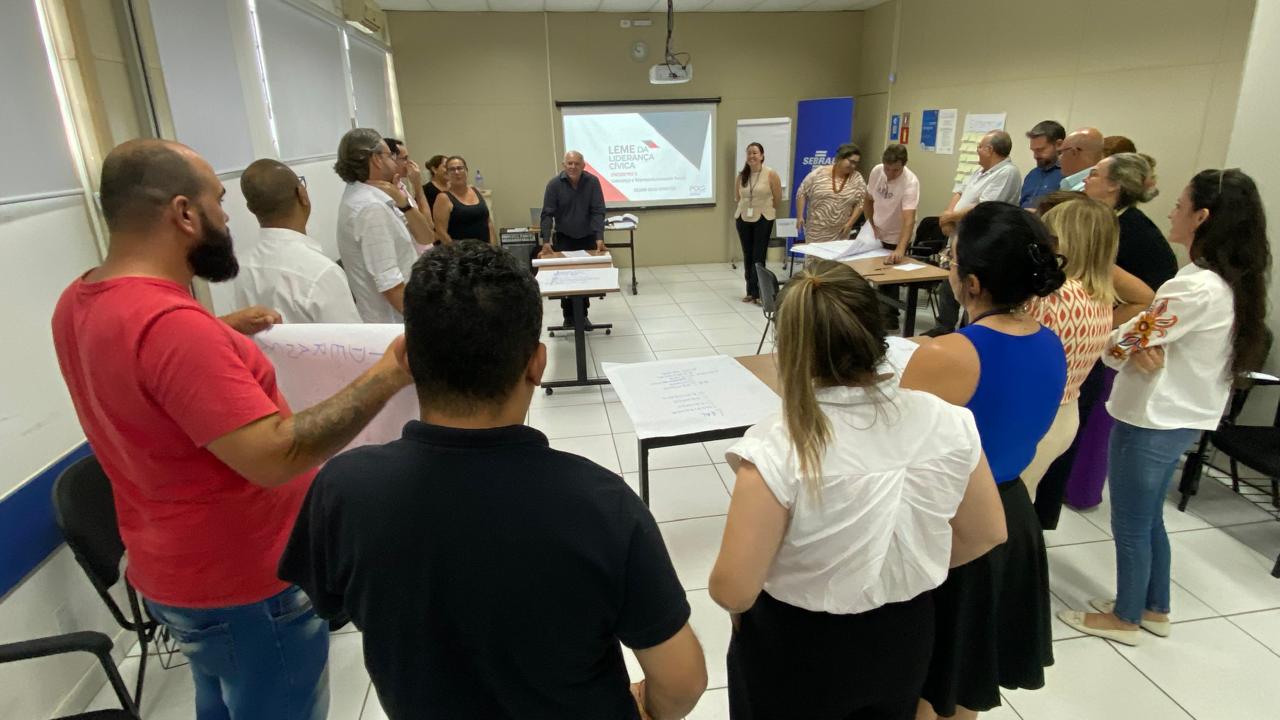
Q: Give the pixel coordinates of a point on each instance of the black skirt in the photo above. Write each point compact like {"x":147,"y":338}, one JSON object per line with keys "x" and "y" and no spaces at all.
{"x":993,"y":618}
{"x":787,"y":662}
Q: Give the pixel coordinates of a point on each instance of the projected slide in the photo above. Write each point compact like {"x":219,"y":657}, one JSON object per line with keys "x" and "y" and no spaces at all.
{"x":647,"y":155}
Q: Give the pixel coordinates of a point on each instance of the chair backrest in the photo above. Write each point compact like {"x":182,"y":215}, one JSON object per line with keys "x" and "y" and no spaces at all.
{"x":86,"y":513}
{"x":768,"y":289}
{"x":929,"y":238}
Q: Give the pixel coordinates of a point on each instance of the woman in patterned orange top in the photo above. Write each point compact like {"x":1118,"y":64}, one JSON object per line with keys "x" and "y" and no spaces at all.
{"x":1081,"y":311}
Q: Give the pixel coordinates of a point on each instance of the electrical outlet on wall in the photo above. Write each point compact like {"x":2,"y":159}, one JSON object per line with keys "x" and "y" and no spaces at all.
{"x":624,"y":23}
{"x":65,"y":621}
{"x":642,"y":23}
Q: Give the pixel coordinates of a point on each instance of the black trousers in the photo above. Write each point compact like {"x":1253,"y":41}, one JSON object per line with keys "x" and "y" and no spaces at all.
{"x":786,"y":662}
{"x":1053,"y":486}
{"x":754,"y":237}
{"x":561,"y":242}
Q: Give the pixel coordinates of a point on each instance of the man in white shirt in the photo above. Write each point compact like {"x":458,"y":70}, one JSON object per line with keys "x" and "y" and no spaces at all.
{"x":997,"y":179}
{"x":373,"y":235}
{"x":287,"y":270}
{"x":893,"y":193}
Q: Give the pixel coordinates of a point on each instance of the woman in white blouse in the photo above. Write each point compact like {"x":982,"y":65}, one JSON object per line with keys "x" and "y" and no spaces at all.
{"x":1176,"y":364}
{"x":849,"y":508}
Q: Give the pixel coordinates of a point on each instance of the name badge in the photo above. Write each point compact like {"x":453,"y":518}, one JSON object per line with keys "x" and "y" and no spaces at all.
{"x":751,"y":212}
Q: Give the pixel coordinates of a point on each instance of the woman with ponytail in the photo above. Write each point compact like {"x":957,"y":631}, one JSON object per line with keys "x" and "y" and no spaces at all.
{"x":848,"y":509}
{"x":758,"y":191}
{"x":993,"y":615}
{"x":1177,"y":362}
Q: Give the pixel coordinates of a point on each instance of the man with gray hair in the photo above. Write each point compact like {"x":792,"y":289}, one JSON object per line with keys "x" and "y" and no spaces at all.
{"x":996,"y":180}
{"x":1080,"y":152}
{"x":574,"y":200}
{"x":373,"y":235}
{"x":287,"y":270}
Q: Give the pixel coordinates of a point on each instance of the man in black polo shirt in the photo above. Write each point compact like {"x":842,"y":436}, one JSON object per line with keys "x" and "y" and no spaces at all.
{"x":492,"y":576}
{"x":574,"y":200}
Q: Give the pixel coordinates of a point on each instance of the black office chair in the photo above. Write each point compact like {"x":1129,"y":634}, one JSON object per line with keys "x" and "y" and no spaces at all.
{"x":768,"y":283}
{"x":90,"y":642}
{"x":1255,"y":446}
{"x":85,"y":511}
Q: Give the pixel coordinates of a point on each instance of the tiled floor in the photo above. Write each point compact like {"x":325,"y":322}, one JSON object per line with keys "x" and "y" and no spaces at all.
{"x":1222,"y":660}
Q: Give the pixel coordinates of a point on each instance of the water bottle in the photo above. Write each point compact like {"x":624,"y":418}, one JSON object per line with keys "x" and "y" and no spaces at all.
{"x":479,"y":179}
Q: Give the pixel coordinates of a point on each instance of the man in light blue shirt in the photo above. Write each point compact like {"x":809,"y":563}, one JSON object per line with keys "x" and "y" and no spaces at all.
{"x":1080,"y":152}
{"x":1046,"y":137}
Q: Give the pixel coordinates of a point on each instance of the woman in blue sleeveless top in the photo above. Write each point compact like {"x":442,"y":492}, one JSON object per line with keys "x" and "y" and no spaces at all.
{"x":993,"y":615}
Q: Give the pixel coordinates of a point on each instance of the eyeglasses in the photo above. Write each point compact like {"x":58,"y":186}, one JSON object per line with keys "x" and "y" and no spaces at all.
{"x":456,"y":169}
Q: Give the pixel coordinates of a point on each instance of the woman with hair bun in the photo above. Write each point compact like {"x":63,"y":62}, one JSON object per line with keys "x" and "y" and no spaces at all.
{"x":1174,"y":381}
{"x":843,"y":520}
{"x":993,"y":615}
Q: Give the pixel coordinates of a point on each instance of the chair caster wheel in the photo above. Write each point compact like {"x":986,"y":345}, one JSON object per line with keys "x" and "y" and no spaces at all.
{"x":551,"y":333}
{"x":549,"y":390}
{"x":608,"y":331}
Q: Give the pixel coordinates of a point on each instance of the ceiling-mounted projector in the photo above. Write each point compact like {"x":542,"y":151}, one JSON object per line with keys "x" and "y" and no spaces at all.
{"x":672,"y":74}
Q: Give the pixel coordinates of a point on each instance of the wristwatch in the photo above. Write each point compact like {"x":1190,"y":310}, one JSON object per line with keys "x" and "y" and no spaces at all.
{"x":406,"y":208}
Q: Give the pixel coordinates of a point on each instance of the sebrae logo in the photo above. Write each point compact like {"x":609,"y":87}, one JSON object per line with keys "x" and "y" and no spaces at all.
{"x":819,"y":157}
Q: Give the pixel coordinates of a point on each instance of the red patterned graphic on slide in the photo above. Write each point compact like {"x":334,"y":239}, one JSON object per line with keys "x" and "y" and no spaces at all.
{"x":611,"y":193}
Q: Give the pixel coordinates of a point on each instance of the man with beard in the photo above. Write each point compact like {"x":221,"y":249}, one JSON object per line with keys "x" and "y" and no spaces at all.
{"x":1046,"y":137}
{"x":207,"y":463}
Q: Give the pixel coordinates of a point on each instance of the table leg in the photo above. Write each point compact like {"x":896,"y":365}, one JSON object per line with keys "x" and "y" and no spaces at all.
{"x":580,"y":335}
{"x":909,"y":322}
{"x":632,"y":248}
{"x":643,"y":452}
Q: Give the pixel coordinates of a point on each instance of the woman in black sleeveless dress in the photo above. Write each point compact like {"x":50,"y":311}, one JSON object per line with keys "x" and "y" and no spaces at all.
{"x":461,"y":212}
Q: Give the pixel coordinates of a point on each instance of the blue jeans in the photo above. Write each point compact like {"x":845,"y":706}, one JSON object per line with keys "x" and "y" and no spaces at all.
{"x":1142,"y":462}
{"x":265,"y":660}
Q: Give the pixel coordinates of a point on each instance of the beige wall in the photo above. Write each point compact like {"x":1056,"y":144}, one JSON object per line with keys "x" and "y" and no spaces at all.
{"x":1167,"y":75}
{"x":871,"y":101}
{"x":1254,"y":148}
{"x":493,"y":104}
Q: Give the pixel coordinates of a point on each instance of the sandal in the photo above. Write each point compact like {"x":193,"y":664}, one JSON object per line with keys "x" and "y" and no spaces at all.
{"x":750,"y":299}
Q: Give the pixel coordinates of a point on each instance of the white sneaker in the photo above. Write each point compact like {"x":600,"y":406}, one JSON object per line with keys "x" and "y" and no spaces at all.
{"x":1159,"y":628}
{"x":1075,"y":619}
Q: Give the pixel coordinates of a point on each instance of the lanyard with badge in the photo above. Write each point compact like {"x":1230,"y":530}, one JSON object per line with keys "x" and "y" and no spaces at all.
{"x":751,"y":194}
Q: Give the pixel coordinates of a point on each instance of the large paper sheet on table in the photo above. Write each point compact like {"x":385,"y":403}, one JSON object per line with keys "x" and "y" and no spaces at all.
{"x":678,"y":397}
{"x":855,"y":249}
{"x":583,"y":259}
{"x":578,"y":280}
{"x":313,"y":362}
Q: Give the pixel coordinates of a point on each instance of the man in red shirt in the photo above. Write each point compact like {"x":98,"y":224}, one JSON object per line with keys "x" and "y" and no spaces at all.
{"x":208,"y":465}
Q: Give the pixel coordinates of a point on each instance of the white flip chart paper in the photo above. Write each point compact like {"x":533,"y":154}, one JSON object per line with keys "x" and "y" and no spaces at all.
{"x":678,"y":397}
{"x":584,"y":259}
{"x":314,"y":362}
{"x":578,"y":280}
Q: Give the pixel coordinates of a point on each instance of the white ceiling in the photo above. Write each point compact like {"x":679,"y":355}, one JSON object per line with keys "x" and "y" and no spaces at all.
{"x":628,"y":6}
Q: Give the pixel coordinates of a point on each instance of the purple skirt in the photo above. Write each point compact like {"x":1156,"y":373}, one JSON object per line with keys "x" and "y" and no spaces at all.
{"x":1089,"y":471}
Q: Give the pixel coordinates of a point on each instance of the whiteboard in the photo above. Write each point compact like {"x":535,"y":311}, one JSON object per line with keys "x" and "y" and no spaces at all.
{"x":202,"y":81}
{"x":775,"y":135}
{"x":38,"y":161}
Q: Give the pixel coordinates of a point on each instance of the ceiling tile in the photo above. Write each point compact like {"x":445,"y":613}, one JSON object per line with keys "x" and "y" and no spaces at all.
{"x":730,"y":5}
{"x":572,"y":5}
{"x":515,"y":5}
{"x":625,"y":6}
{"x":404,"y":4}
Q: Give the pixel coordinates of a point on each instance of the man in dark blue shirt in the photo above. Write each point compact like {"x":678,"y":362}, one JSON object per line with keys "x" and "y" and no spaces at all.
{"x":1046,"y":137}
{"x":575,"y":201}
